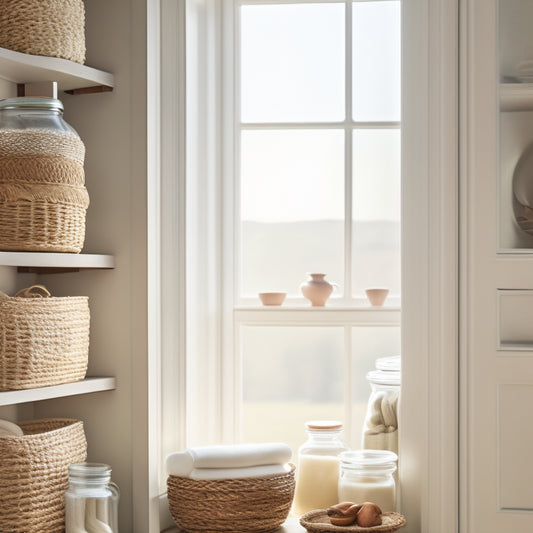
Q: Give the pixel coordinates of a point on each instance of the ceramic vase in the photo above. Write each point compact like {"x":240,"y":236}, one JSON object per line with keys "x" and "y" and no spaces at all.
{"x":316,"y":289}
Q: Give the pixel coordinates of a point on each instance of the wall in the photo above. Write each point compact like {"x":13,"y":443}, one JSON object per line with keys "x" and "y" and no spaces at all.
{"x":113,"y":127}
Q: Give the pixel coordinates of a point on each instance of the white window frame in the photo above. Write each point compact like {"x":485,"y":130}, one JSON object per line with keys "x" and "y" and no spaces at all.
{"x":429,"y":417}
{"x":345,"y":312}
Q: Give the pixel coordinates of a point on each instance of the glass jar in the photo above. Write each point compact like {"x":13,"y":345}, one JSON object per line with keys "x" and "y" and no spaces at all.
{"x":367,"y":476}
{"x":317,"y":475}
{"x":380,"y":431}
{"x":43,"y":199}
{"x":38,"y":113}
{"x":91,"y":501}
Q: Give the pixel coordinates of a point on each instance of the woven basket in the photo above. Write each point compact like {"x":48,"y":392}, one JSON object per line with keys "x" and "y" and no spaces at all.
{"x":42,"y":218}
{"x":230,"y":505}
{"x":34,"y":474}
{"x":44,"y":27}
{"x":43,"y":341}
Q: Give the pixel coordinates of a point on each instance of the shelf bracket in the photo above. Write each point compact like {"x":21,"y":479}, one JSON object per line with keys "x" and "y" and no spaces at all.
{"x":46,"y":270}
{"x":91,"y":90}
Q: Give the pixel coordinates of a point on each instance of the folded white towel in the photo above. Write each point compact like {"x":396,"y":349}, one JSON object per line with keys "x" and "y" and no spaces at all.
{"x":8,"y":429}
{"x":227,"y":456}
{"x":239,"y":473}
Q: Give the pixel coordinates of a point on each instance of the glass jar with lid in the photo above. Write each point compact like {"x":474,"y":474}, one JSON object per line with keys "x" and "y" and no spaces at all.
{"x":317,"y":474}
{"x":91,"y":501}
{"x":43,"y":199}
{"x":380,"y":431}
{"x":367,"y":476}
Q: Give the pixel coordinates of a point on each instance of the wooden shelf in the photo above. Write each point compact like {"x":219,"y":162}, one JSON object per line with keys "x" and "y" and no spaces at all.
{"x":86,"y":386}
{"x":70,"y":76}
{"x":516,"y":97}
{"x":49,"y":263}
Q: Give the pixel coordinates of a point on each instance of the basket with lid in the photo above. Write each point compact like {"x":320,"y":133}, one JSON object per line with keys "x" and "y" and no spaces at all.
{"x":43,"y":199}
{"x":34,"y":474}
{"x":44,"y":340}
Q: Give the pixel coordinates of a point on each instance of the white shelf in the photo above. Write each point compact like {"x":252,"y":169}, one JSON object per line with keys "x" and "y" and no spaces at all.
{"x":86,"y":386}
{"x":25,"y":68}
{"x":516,"y":97}
{"x":43,"y":262}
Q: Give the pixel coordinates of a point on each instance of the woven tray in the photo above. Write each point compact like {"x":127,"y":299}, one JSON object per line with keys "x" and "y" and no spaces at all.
{"x":318,"y":521}
{"x":34,"y":474}
{"x":230,"y":505}
{"x":43,"y":341}
{"x":44,"y":27}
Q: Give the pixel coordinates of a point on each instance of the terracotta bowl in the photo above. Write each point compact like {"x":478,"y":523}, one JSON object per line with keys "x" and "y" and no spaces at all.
{"x":272,"y":298}
{"x":376,"y":295}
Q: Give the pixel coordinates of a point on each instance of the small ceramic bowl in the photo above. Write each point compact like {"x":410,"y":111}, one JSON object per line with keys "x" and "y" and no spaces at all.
{"x":272,"y":298}
{"x":376,"y":295}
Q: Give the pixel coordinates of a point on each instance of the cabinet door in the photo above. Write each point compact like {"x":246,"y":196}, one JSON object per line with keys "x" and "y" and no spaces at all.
{"x":496,"y":271}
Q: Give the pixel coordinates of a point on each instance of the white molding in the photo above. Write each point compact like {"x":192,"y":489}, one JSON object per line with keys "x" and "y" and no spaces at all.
{"x":429,"y":409}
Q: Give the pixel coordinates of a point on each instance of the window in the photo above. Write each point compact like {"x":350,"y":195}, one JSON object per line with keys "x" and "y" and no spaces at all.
{"x":292,"y":166}
{"x":200,"y":396}
{"x":317,"y":180}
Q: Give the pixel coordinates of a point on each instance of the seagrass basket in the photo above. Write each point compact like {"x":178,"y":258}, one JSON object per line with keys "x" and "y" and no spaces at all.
{"x":43,"y":341}
{"x":230,"y":505}
{"x":53,"y":28}
{"x":34,"y":474}
{"x":42,"y":218}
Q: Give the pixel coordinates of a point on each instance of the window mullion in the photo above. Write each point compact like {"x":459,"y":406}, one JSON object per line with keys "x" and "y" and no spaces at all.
{"x":348,"y":204}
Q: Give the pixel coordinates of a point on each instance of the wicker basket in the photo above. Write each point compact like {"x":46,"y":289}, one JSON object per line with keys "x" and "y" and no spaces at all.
{"x":44,"y":27}
{"x":43,"y":341}
{"x":230,"y":505}
{"x":42,"y":218}
{"x":34,"y":474}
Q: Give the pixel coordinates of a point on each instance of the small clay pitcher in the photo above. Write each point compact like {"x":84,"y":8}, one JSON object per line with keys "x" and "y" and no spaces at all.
{"x":317,"y":290}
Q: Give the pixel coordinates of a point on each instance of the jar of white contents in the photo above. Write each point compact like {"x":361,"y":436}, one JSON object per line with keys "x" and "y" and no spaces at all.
{"x":317,"y":475}
{"x":91,"y":501}
{"x":380,"y":430}
{"x":367,"y":476}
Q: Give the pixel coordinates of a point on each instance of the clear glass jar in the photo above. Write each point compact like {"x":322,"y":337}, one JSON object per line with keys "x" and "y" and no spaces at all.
{"x":380,"y":431}
{"x":317,"y":475}
{"x":367,"y":476}
{"x":33,"y":112}
{"x":91,"y":501}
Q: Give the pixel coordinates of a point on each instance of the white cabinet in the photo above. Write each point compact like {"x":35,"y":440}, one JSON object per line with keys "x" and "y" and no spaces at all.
{"x":497,"y":266}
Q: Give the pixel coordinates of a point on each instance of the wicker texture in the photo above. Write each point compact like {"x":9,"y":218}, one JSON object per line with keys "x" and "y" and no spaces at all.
{"x":53,"y":28}
{"x":43,"y":341}
{"x":34,"y":474}
{"x":43,"y":199}
{"x":34,"y":142}
{"x":318,"y":521}
{"x":41,"y":169}
{"x":230,"y":505}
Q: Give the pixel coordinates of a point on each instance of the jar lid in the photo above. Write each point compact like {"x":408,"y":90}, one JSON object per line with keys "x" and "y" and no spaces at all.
{"x":389,"y":364}
{"x":369,"y":458}
{"x":31,"y":102}
{"x":381,"y":377}
{"x":323,"y":425}
{"x":88,"y":471}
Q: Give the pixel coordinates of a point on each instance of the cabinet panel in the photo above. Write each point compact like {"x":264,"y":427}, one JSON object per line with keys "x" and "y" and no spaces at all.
{"x":515,"y":439}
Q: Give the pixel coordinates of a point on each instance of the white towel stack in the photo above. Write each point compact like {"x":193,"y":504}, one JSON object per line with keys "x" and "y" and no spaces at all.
{"x":230,"y":461}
